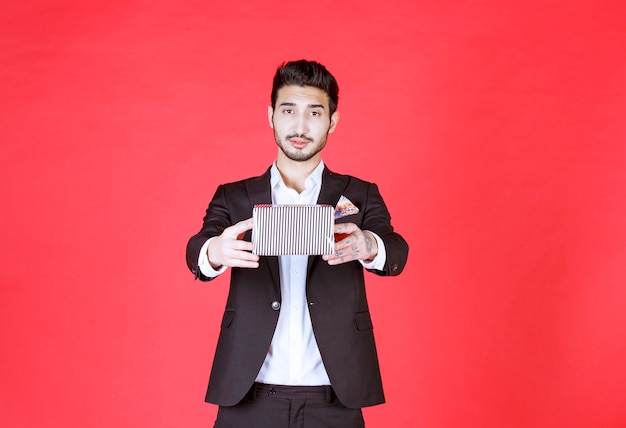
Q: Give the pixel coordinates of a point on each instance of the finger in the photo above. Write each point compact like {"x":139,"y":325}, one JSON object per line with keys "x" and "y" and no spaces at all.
{"x":353,"y":242}
{"x":242,"y":259}
{"x":239,"y":245}
{"x":346,"y":234}
{"x":245,"y":264}
{"x":346,"y":250}
{"x":236,"y":256}
{"x":347,"y":247}
{"x":238,"y":229}
{"x":339,"y":259}
{"x":350,"y":243}
{"x":345,"y":228}
{"x":238,"y":250}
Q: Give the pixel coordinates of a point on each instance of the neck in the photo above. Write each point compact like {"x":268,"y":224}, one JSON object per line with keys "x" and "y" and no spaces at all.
{"x":295,"y":173}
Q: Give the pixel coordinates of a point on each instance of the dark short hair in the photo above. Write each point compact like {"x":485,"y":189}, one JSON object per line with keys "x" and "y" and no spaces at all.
{"x":306,"y":73}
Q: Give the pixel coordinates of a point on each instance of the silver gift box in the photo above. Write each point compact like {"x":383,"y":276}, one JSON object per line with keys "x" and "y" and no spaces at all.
{"x":293,"y":229}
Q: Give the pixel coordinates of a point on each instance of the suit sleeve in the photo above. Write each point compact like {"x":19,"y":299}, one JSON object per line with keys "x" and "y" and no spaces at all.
{"x":378,"y":220}
{"x":216,"y":219}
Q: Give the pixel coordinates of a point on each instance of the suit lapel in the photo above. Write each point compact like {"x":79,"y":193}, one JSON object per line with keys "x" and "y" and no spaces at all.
{"x":333,"y":186}
{"x":259,"y":193}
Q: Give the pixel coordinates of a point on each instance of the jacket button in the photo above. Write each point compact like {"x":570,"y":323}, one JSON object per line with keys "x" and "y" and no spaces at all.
{"x":276,"y":305}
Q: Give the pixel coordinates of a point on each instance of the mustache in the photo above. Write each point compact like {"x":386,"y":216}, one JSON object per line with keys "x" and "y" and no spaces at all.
{"x":302,"y":136}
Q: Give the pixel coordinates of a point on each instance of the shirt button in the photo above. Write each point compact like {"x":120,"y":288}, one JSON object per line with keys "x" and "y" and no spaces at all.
{"x":276,"y":305}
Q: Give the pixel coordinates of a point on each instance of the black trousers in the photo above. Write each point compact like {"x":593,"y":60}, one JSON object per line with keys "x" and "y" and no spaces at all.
{"x":276,"y":406}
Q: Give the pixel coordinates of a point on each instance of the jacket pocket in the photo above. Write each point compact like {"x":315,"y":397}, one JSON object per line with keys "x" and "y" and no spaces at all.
{"x":227,"y":319}
{"x":363,"y":321}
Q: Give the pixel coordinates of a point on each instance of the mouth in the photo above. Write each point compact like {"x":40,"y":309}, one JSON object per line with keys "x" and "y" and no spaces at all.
{"x":299,"y":142}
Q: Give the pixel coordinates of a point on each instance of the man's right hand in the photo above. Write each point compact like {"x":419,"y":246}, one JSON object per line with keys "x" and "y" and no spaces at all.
{"x":230,"y":250}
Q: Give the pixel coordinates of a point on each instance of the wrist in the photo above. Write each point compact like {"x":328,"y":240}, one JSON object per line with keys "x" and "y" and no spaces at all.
{"x":371,"y":246}
{"x":213,"y":264}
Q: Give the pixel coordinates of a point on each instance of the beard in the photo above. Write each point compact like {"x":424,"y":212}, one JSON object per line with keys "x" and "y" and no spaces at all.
{"x":300,"y":155}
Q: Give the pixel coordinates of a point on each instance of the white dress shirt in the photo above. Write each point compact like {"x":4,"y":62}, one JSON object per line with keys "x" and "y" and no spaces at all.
{"x":293,"y":357}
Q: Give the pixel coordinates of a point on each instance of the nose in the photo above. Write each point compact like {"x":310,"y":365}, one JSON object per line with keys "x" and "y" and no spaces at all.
{"x":301,"y":126}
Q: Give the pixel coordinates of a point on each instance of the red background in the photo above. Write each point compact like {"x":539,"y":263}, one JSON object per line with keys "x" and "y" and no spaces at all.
{"x":494,"y":129}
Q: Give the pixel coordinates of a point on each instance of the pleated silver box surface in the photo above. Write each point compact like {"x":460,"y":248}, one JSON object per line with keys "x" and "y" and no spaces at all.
{"x":293,"y":229}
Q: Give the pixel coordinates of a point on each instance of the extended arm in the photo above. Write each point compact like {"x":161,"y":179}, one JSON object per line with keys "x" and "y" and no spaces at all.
{"x":359,"y":242}
{"x":226,"y":246}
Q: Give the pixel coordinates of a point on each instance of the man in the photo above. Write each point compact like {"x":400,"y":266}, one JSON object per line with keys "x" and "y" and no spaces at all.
{"x":296,"y":347}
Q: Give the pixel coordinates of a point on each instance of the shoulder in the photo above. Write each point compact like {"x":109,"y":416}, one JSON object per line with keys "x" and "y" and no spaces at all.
{"x":345,"y":180}
{"x":332,"y":175}
{"x":244,"y":183}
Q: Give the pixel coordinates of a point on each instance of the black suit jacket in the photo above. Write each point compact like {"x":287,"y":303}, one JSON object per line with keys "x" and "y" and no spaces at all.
{"x":336,"y":295}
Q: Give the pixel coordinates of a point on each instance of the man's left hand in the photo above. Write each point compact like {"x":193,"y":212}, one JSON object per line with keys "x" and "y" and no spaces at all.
{"x":352,"y":244}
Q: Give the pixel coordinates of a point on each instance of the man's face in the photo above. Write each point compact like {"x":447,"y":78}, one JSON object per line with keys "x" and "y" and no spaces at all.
{"x":301,"y":122}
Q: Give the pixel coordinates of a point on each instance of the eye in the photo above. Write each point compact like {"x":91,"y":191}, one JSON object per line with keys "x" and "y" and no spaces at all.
{"x":288,"y":111}
{"x":316,"y":113}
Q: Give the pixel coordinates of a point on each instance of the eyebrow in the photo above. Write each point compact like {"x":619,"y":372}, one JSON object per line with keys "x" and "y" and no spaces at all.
{"x":289,"y":104}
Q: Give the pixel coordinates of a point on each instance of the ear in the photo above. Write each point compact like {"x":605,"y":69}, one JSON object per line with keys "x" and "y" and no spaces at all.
{"x":334,"y":119}
{"x":270,"y":114}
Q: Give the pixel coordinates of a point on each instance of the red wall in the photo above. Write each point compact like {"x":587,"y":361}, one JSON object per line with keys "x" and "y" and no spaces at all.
{"x":494,"y":129}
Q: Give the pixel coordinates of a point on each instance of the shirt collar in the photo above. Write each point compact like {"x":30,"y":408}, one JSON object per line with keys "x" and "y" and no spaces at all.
{"x":315,"y":178}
